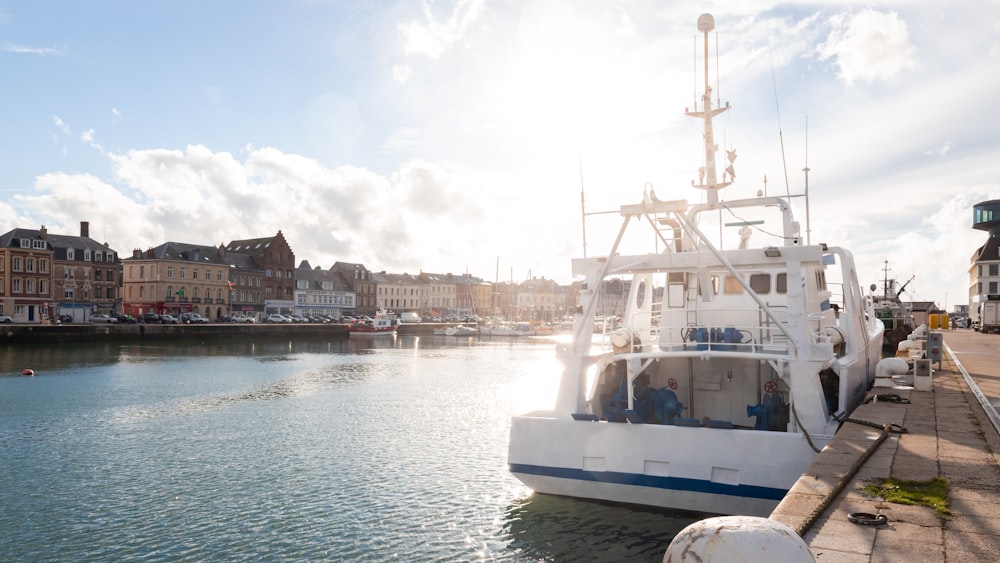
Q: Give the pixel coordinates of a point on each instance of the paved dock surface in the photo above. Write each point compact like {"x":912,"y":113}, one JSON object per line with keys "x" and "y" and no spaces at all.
{"x":948,"y":434}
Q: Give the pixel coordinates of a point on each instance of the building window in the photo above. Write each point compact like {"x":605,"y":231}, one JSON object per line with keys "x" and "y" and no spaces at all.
{"x":30,"y":285}
{"x":43,"y":287}
{"x":170,"y":271}
{"x":30,"y":263}
{"x":269,"y":273}
{"x":994,"y":269}
{"x":43,"y":266}
{"x":15,"y":287}
{"x":142,"y":272}
{"x":993,"y":287}
{"x":70,"y":254}
{"x":17,"y":264}
{"x":183,"y":273}
{"x":39,"y":244}
{"x":218,"y":275}
{"x":194,"y":273}
{"x":86,"y":255}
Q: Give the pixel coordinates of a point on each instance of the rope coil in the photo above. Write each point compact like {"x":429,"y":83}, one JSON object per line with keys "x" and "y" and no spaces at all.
{"x":868,"y":519}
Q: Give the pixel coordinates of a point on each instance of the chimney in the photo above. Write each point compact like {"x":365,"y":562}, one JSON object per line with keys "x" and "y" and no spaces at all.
{"x":43,"y":233}
{"x":85,"y":229}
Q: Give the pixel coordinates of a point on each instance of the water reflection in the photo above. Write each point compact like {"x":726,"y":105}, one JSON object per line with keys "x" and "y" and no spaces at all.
{"x":553,"y":528}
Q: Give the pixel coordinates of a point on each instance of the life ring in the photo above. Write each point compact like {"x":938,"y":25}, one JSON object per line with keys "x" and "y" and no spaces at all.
{"x":28,"y":372}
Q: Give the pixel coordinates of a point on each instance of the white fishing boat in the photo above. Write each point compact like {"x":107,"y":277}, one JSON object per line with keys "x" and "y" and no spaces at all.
{"x":730,"y":369}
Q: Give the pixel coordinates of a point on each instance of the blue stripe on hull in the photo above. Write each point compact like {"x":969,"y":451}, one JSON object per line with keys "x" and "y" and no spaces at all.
{"x":638,"y":480}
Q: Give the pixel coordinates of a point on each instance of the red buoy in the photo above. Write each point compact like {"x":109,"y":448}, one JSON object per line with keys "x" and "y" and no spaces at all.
{"x":28,"y":372}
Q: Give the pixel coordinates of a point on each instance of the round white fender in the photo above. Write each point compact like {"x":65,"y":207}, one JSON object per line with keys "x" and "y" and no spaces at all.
{"x":738,"y":538}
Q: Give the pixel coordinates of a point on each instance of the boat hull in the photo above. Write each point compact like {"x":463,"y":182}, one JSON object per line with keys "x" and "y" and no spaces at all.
{"x":744,"y":472}
{"x":365,"y":332}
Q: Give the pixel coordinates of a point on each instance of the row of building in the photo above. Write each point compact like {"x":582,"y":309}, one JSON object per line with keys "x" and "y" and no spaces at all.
{"x":45,"y":277}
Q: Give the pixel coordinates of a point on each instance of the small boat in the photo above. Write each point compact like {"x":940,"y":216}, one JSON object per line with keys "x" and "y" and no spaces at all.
{"x":381,"y":323}
{"x":509,"y":329}
{"x":462,"y":330}
{"x":731,"y":366}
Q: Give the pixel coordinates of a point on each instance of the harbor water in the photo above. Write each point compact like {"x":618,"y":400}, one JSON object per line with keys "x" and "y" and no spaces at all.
{"x":370,"y":449}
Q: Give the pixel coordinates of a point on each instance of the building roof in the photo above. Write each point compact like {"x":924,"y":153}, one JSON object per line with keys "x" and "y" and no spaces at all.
{"x":184,"y":252}
{"x":56,"y":243}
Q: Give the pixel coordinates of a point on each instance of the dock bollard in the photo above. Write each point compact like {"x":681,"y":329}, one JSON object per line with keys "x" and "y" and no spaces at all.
{"x":738,"y":538}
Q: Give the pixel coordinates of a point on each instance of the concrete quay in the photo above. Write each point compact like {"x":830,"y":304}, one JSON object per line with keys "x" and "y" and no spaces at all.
{"x":948,"y":433}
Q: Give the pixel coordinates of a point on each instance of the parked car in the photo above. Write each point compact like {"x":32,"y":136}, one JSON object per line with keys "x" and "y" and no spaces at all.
{"x":169,"y":320}
{"x":297,"y":318}
{"x":276,"y":318}
{"x":241,"y":319}
{"x":102,"y":318}
{"x":149,"y":318}
{"x":6,"y":319}
{"x":192,"y":318}
{"x":124,"y":319}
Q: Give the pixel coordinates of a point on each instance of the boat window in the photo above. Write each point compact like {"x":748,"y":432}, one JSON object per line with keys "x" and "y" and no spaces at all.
{"x":733,"y":286}
{"x":820,"y":280}
{"x":640,"y":295}
{"x":781,"y":283}
{"x":760,"y":283}
{"x":675,"y":295}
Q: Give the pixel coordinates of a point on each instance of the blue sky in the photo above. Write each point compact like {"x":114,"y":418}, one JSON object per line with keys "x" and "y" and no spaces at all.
{"x":446,"y":135}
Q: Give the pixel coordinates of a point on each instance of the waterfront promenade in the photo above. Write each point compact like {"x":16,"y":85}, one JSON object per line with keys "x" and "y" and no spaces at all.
{"x":948,"y":434}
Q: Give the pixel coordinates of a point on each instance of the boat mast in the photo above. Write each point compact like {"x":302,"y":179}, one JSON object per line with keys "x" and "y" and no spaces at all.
{"x":708,"y":178}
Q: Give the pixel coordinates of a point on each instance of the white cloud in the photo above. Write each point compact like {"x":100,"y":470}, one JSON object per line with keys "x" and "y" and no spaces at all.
{"x":42,"y":51}
{"x":432,"y":37}
{"x":868,"y":46}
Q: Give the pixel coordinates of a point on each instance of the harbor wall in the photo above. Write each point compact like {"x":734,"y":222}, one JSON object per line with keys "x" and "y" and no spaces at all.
{"x":38,"y":333}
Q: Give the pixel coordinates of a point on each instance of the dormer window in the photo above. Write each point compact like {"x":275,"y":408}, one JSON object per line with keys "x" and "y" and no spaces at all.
{"x":70,"y":254}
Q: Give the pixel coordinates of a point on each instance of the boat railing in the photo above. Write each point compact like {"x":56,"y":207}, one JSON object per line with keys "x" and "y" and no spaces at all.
{"x":742,"y":330}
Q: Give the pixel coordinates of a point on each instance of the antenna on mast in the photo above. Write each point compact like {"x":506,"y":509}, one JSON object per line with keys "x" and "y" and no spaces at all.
{"x":583,"y":210}
{"x":806,"y":170}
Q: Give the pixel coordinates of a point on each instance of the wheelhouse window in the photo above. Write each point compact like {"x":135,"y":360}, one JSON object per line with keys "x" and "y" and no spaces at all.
{"x":760,"y":283}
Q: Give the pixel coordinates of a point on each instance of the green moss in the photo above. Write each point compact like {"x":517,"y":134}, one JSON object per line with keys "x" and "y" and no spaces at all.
{"x":933,"y":493}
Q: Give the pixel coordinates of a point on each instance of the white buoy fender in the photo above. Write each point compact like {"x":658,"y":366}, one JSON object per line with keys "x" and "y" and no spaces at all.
{"x":906,"y":345}
{"x":888,"y":367}
{"x":738,"y":538}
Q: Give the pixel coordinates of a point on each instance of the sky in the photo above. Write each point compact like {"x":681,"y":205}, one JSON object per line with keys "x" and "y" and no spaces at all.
{"x":461,"y":136}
